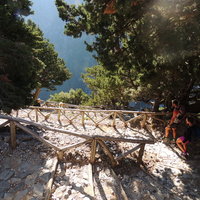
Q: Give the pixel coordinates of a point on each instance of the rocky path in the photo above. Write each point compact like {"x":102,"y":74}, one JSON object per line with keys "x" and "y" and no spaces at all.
{"x":25,"y":171}
{"x":164,"y":175}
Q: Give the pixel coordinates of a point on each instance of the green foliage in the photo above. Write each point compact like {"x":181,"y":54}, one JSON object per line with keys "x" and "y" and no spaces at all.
{"x":17,"y":65}
{"x":52,"y":69}
{"x":27,"y":60}
{"x":108,"y":88}
{"x":156,"y":40}
{"x":76,"y":97}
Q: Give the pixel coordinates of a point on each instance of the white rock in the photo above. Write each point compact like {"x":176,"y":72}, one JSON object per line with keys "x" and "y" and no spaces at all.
{"x":49,"y":163}
{"x":86,"y":198}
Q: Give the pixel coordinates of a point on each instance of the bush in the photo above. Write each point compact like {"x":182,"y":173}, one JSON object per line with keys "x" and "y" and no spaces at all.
{"x":77,"y":97}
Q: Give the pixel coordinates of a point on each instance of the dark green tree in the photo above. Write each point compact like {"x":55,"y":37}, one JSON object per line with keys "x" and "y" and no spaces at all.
{"x":27,"y":60}
{"x":157,"y":40}
{"x":53,"y":70}
{"x":17,"y":64}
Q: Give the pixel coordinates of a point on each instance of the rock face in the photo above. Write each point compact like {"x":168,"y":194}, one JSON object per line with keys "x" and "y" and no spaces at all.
{"x":164,"y":175}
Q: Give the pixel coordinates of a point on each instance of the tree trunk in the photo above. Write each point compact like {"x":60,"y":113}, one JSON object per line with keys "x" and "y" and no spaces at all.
{"x":36,"y":94}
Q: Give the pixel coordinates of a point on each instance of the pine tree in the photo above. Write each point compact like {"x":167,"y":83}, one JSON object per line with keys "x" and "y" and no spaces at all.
{"x":157,"y":40}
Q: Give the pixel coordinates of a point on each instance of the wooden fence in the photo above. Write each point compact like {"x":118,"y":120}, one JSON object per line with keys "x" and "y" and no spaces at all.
{"x":74,"y":117}
{"x":92,"y":140}
{"x":67,"y":116}
{"x":70,"y":116}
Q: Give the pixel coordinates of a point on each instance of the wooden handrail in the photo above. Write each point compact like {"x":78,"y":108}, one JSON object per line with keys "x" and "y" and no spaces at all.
{"x":99,"y":111}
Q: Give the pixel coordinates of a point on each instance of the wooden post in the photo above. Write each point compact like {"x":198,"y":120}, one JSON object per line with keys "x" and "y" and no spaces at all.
{"x":96,"y":124}
{"x":83,"y":119}
{"x":36,"y":136}
{"x":128,"y":152}
{"x":93,"y":151}
{"x":17,"y":113}
{"x":59,"y":116}
{"x":121,"y":118}
{"x":114,"y":118}
{"x":120,"y":189}
{"x":12,"y":134}
{"x":60,"y":155}
{"x":107,"y":152}
{"x":90,"y":187}
{"x":36,"y":115}
{"x":50,"y":182}
{"x":47,"y":116}
{"x":140,"y":154}
{"x":144,"y":120}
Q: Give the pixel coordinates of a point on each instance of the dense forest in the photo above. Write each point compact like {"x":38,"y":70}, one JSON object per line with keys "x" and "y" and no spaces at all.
{"x":146,"y":51}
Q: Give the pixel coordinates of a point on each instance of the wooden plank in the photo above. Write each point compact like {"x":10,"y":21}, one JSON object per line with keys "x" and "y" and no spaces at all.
{"x":107,"y":152}
{"x":67,"y":118}
{"x":4,"y":123}
{"x":29,"y":114}
{"x":40,"y":112}
{"x":36,"y":136}
{"x":114,"y":119}
{"x":105,"y":118}
{"x":96,"y":124}
{"x":13,"y":134}
{"x":90,"y":188}
{"x":47,"y":116}
{"x":83,"y":118}
{"x":93,"y":151}
{"x":143,"y":141}
{"x":17,"y":119}
{"x":50,"y":182}
{"x":133,"y":119}
{"x":128,"y":152}
{"x":36,"y":115}
{"x":121,"y":191}
{"x":59,"y":112}
{"x":75,"y":145}
{"x":141,"y":152}
{"x":17,"y":113}
{"x":75,"y":116}
{"x":144,"y":120}
{"x":76,"y":134}
{"x":60,"y":155}
{"x":99,"y":111}
{"x":125,"y":123}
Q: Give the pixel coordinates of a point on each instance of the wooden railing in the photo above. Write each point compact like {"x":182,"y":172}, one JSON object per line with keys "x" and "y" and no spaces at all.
{"x":85,"y":117}
{"x":92,"y":140}
{"x":65,"y":116}
{"x":69,"y":116}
